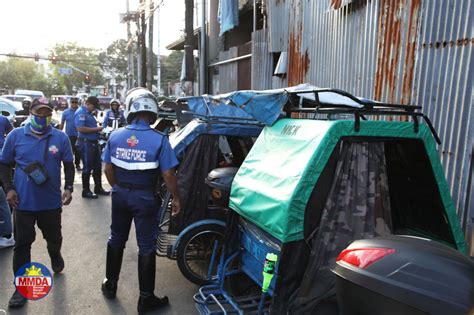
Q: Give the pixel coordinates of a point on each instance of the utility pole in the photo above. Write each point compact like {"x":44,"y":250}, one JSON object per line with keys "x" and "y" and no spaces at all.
{"x":139,"y":55}
{"x":189,"y":42}
{"x":130,"y":67}
{"x":203,"y":52}
{"x":143,"y":41}
{"x":158,"y":61}
{"x":149,"y":83}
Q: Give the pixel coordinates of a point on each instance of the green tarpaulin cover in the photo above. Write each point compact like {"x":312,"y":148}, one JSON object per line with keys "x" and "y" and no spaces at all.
{"x":273,"y":185}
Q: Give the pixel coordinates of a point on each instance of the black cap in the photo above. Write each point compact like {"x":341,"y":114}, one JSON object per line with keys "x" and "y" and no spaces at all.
{"x":41,"y":102}
{"x":93,"y":100}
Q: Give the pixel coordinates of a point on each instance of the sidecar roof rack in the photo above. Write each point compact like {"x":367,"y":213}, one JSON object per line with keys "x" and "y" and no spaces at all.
{"x":341,"y":102}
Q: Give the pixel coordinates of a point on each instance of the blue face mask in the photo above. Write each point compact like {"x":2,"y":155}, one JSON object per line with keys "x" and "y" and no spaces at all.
{"x":39,"y":124}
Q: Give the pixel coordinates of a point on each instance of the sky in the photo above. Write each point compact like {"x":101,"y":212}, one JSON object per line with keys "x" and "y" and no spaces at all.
{"x":34,"y":26}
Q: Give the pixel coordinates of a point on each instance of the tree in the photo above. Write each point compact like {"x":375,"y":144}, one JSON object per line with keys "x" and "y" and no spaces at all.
{"x":114,"y":59}
{"x":171,"y":68}
{"x":83,"y":58}
{"x":16,"y":73}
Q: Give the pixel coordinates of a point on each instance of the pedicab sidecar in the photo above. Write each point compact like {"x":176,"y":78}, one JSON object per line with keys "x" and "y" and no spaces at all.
{"x":308,"y":188}
{"x":214,"y":131}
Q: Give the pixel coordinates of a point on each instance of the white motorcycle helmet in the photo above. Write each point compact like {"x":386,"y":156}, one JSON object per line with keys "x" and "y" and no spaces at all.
{"x":139,"y":100}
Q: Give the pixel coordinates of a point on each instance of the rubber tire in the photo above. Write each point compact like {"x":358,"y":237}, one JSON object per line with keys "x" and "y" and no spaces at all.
{"x":180,"y":251}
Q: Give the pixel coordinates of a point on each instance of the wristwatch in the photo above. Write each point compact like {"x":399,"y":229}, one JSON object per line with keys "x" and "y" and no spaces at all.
{"x":70,"y":188}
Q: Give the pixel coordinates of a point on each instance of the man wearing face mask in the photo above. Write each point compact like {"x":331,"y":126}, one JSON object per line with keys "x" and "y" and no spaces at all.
{"x":114,"y":116}
{"x":67,"y":119}
{"x":88,"y":145}
{"x":38,"y":150}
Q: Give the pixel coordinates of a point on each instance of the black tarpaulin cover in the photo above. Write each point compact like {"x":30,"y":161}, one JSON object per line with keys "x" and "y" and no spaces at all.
{"x":198,"y":160}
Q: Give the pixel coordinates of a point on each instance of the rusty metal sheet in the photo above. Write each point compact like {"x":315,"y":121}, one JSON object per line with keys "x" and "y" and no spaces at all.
{"x":402,"y":51}
{"x":298,"y":58}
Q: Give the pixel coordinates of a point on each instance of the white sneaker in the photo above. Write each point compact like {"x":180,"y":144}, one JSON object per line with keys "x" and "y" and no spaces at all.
{"x":7,"y":242}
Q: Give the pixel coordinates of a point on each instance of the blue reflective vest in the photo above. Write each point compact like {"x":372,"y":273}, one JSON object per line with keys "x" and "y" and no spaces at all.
{"x":138,"y":154}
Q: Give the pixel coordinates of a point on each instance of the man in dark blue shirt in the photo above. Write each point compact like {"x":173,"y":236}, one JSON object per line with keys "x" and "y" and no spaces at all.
{"x":88,"y":145}
{"x":37,"y":146}
{"x":135,"y":157}
{"x":68,"y":119}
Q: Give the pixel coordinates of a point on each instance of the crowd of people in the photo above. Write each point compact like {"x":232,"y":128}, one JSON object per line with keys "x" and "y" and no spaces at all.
{"x":134,"y":159}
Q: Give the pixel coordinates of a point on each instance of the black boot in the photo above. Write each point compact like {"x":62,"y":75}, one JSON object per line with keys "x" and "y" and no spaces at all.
{"x":146,"y":279}
{"x":57,"y":262}
{"x":112,"y":271}
{"x":98,"y":190}
{"x":17,"y":300}
{"x":86,"y":191}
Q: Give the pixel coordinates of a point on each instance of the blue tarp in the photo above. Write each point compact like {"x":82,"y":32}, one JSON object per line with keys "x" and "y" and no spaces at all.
{"x":228,"y":15}
{"x":181,"y":139}
{"x":250,"y":108}
{"x":262,"y":107}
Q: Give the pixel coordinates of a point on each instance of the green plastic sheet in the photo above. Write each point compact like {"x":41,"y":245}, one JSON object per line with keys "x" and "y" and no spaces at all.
{"x":273,"y":185}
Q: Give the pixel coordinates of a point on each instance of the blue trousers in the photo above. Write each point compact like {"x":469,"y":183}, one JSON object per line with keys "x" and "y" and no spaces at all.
{"x":5,"y":215}
{"x":90,"y":155}
{"x":141,"y":206}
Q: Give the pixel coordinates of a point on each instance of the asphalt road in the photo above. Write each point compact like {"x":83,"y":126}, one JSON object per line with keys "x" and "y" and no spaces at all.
{"x":77,"y":289}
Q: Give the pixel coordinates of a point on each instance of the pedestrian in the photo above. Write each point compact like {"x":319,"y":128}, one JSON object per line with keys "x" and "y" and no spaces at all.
{"x":68,"y":119}
{"x":88,"y":146}
{"x":114,"y":117}
{"x":135,"y":157}
{"x":6,"y":230}
{"x":37,"y":149}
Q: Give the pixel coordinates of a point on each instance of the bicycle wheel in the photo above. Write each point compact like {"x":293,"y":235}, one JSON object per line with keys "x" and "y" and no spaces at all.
{"x":195,"y":250}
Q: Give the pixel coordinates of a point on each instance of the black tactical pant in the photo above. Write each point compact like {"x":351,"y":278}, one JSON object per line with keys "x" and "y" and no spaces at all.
{"x":48,"y":221}
{"x":77,"y":154}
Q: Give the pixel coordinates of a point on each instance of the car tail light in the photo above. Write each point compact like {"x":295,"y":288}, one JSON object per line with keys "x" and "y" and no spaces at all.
{"x":363,"y":257}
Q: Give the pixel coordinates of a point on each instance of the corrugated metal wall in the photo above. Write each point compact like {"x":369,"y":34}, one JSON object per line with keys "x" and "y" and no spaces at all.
{"x":402,"y":51}
{"x":263,"y":62}
{"x":278,"y":25}
{"x":444,"y":78}
{"x":228,"y":73}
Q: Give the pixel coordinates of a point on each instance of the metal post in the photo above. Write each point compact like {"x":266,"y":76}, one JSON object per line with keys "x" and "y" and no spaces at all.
{"x":139,"y":55}
{"x":130,"y":70}
{"x":143,"y":43}
{"x":203,"y":52}
{"x":188,"y":42}
{"x":254,"y":15}
{"x":158,"y":62}
{"x":149,"y":83}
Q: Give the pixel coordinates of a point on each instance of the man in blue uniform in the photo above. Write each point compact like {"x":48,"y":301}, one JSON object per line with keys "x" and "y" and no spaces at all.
{"x":68,"y":119}
{"x":38,"y":150}
{"x":88,"y":145}
{"x":114,"y":116}
{"x":135,"y":157}
{"x":6,"y":232}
